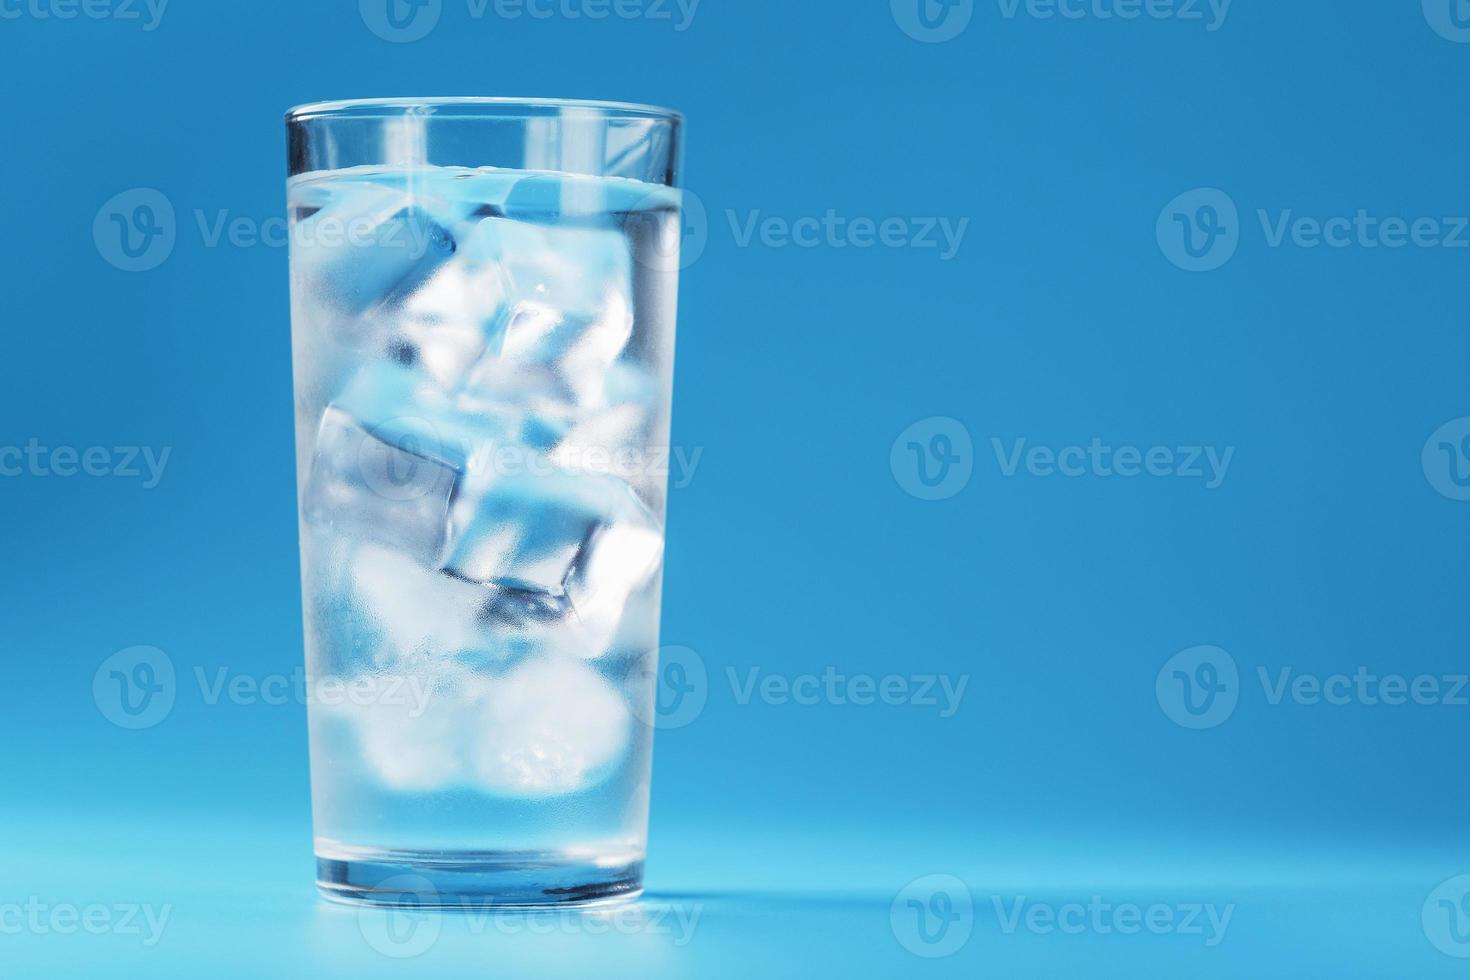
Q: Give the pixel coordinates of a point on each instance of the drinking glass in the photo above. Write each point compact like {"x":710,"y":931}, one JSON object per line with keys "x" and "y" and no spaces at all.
{"x":482,"y":314}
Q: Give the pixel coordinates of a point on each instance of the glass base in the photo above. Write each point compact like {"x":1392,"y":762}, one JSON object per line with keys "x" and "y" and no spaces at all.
{"x":477,"y":879}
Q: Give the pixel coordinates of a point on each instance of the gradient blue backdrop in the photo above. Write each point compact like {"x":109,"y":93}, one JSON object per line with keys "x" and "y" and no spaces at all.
{"x":797,"y":545}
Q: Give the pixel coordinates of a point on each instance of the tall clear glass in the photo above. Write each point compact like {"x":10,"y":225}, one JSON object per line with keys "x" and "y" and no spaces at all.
{"x":482,"y":312}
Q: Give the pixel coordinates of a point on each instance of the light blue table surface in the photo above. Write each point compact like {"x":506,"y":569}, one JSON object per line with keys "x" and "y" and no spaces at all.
{"x":174,"y":897}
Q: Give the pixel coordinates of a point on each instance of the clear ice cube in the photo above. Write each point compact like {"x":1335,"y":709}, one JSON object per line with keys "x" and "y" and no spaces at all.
{"x":548,"y":727}
{"x":570,"y":312}
{"x":575,"y":350}
{"x":399,"y":406}
{"x":522,"y":532}
{"x":368,"y":245}
{"x":619,"y":560}
{"x":413,"y":747}
{"x":449,"y":322}
{"x":595,"y":438}
{"x":423,"y":615}
{"x":391,"y":452}
{"x":555,"y":196}
{"x":572,"y":547}
{"x":568,"y":269}
{"x":387,"y":491}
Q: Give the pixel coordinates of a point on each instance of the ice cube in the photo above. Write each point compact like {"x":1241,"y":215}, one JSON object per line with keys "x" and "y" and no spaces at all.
{"x":572,"y":547}
{"x":529,"y":393}
{"x":414,"y":740}
{"x":388,"y":491}
{"x":595,"y":443}
{"x":399,"y":406}
{"x":568,"y":313}
{"x":521,"y":531}
{"x":485,"y":189}
{"x":422,"y":614}
{"x":598,"y":437}
{"x":577,"y":350}
{"x":620,"y":558}
{"x":547,"y":196}
{"x":448,"y":323}
{"x":368,"y":245}
{"x":547,"y":728}
{"x":567,"y":267}
{"x":390,"y":454}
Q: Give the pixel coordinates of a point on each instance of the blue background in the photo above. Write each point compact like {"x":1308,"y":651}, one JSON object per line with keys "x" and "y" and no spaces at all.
{"x":798,"y":546}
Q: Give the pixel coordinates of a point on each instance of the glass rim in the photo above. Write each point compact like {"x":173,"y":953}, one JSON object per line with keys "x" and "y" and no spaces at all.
{"x":474,"y":106}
